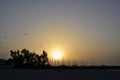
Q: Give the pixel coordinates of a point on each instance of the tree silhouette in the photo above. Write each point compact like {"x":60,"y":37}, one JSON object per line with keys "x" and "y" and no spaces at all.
{"x":25,"y":57}
{"x":17,"y":58}
{"x":44,"y":58}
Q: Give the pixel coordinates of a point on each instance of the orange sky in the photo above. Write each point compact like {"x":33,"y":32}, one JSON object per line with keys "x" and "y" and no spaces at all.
{"x":80,"y":29}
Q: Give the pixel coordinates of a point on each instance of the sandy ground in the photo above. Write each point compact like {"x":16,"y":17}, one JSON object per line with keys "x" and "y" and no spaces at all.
{"x":21,"y":74}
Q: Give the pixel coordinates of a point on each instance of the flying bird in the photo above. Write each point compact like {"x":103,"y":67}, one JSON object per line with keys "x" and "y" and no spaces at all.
{"x":26,"y":34}
{"x":41,"y":45}
{"x":5,"y":37}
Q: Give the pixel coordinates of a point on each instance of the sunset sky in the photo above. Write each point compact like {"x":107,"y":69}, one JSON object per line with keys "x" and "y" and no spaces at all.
{"x":79,"y":29}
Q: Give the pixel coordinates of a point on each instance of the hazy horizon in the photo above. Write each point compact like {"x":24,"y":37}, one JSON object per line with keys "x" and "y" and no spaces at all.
{"x":80,"y":29}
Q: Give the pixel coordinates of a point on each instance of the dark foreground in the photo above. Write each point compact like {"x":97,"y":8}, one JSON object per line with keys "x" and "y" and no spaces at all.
{"x":47,"y":74}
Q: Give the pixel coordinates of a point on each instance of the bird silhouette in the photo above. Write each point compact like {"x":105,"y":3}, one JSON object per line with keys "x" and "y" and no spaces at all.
{"x":26,"y":34}
{"x":5,"y":37}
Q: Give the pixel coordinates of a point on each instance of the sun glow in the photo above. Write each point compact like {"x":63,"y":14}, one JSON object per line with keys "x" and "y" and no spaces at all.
{"x":57,"y":55}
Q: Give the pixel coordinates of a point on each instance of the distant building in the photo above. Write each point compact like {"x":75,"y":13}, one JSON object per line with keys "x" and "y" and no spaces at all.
{"x":2,"y":62}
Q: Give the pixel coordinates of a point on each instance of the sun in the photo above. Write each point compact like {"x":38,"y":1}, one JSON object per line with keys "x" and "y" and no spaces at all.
{"x":57,"y":55}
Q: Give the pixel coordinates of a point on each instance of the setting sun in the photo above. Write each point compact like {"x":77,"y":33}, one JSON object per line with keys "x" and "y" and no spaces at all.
{"x":57,"y":55}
